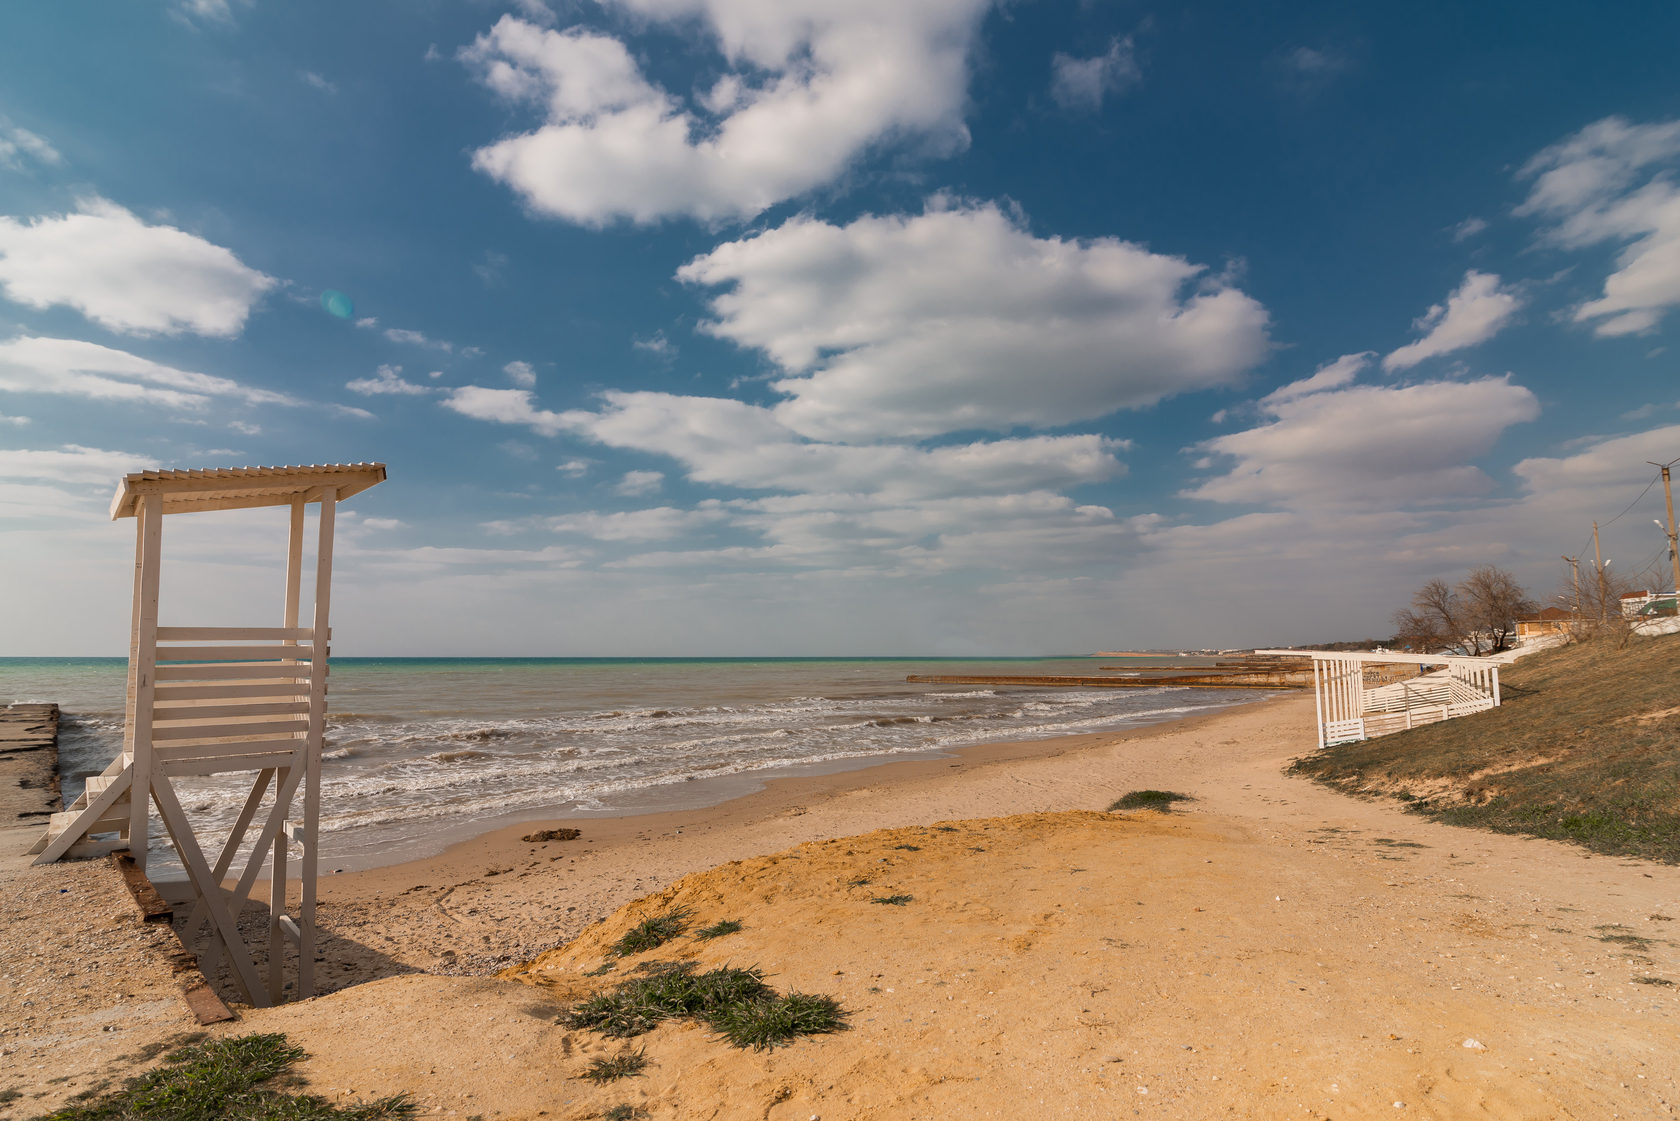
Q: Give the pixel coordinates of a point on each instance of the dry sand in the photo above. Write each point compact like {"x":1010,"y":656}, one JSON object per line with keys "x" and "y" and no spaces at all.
{"x":1271,"y":950}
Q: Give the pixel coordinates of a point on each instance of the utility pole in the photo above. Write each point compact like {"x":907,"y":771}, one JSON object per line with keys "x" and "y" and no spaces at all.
{"x":1668,"y":493}
{"x":1574,"y":564}
{"x":1603,"y":593}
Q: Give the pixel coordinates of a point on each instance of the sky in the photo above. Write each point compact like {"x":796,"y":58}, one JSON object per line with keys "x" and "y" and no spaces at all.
{"x":837,"y":327}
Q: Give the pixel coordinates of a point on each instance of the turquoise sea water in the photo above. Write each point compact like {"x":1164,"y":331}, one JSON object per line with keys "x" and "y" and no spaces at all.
{"x":422,"y":751}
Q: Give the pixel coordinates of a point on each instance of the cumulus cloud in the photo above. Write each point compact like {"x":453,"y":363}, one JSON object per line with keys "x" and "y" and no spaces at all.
{"x":19,"y":147}
{"x":1473,"y":314}
{"x":636,"y":483}
{"x":1082,"y":83}
{"x":127,"y":276}
{"x":386,"y":381}
{"x":723,"y":442}
{"x":1362,"y":445}
{"x":806,"y":86}
{"x":522,"y":374}
{"x":1612,"y":182}
{"x":316,"y":81}
{"x":416,"y":338}
{"x":914,"y":326}
{"x":73,"y":368}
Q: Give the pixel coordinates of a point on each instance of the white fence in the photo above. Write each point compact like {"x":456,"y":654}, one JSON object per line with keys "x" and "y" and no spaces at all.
{"x":1348,"y":710}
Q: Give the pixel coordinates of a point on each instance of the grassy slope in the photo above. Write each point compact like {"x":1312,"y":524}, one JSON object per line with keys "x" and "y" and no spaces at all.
{"x":1577,"y":752}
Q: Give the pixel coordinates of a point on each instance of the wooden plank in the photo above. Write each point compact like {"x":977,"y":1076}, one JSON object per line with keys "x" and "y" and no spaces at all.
{"x":226,"y":732}
{"x":96,"y":808}
{"x":197,"y":712}
{"x":173,"y":692}
{"x":207,"y":1008}
{"x":153,"y":907}
{"x":207,"y":889}
{"x":258,"y":673}
{"x":234,"y":634}
{"x":234,"y":653}
{"x":225,"y":763}
{"x":145,"y":677}
{"x":317,"y":735}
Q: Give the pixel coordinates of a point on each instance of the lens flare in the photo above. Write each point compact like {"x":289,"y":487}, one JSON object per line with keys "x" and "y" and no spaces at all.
{"x":337,"y":304}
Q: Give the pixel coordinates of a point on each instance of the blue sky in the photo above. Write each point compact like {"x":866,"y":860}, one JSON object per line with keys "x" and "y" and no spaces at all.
{"x":805,"y":327}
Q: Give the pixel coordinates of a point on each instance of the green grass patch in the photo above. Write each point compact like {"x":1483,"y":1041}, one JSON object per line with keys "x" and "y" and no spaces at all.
{"x":1581,"y":750}
{"x":226,"y":1080}
{"x":653,"y":932}
{"x":624,"y":1111}
{"x":1652,"y":981}
{"x":719,"y":929}
{"x":893,"y":900}
{"x":909,"y":848}
{"x":610,"y":1068}
{"x":1161,"y":800}
{"x":736,"y":1003}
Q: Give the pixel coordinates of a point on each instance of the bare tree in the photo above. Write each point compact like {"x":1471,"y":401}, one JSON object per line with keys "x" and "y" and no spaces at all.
{"x":1492,"y":602}
{"x":1480,"y":613}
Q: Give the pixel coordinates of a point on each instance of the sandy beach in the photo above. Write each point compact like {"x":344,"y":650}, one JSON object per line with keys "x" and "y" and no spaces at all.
{"x":1270,"y":949}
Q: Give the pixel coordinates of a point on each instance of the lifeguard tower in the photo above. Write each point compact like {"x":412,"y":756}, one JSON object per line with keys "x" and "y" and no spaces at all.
{"x":213,"y":700}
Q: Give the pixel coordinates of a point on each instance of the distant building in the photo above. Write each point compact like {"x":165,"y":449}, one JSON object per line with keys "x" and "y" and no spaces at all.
{"x":1633,"y":603}
{"x":1553,"y":620}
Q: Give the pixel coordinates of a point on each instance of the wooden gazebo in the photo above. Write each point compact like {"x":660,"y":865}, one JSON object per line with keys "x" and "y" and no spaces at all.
{"x":212,"y":700}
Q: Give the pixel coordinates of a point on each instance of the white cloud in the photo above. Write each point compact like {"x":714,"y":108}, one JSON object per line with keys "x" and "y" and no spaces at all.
{"x":14,"y":420}
{"x":658,"y":523}
{"x":1473,"y":314}
{"x":1082,"y":83}
{"x":1331,"y":375}
{"x":573,"y":468}
{"x":806,"y":87}
{"x":637,"y":483}
{"x":384,"y":523}
{"x":71,"y":464}
{"x":722,"y":442}
{"x":1373,"y":446}
{"x":914,"y":326}
{"x":19,"y":146}
{"x":310,"y":78}
{"x":387,"y":380}
{"x":521,"y":374}
{"x":1469,"y":228}
{"x":536,"y":11}
{"x":656,"y":343}
{"x":70,"y":367}
{"x":127,"y":276}
{"x":416,"y":338}
{"x":503,"y":406}
{"x":1612,"y":182}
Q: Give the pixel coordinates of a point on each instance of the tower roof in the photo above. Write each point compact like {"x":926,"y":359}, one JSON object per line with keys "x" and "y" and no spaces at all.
{"x":239,"y":488}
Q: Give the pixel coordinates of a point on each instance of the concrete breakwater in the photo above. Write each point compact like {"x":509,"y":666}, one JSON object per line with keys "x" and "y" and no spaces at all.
{"x":1260,"y":679}
{"x":28,"y":764}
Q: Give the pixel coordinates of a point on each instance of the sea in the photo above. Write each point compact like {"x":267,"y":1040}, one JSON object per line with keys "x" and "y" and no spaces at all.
{"x":422,"y":752}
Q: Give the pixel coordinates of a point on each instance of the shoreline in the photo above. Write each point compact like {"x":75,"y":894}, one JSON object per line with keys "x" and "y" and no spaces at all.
{"x":700,"y":795}
{"x":772,"y":796}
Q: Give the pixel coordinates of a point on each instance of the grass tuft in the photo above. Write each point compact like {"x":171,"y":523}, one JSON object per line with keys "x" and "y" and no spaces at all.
{"x":1652,"y":981}
{"x":893,"y":900}
{"x":734,"y":1002}
{"x":223,"y":1080}
{"x":718,"y":929}
{"x":909,"y":848}
{"x":764,"y":1024}
{"x":624,"y":1111}
{"x":653,"y":932}
{"x":625,"y":1064}
{"x":1160,"y":800}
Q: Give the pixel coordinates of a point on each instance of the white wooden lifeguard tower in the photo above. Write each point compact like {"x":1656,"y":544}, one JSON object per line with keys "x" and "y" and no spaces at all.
{"x":1351,"y":708}
{"x":213,"y":700}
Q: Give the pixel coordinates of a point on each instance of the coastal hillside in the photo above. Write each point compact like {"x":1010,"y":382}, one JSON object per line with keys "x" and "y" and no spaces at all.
{"x":1585,"y":748}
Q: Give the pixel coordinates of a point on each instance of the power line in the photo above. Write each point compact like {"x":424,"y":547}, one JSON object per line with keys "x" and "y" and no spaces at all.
{"x":1635,"y":502}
